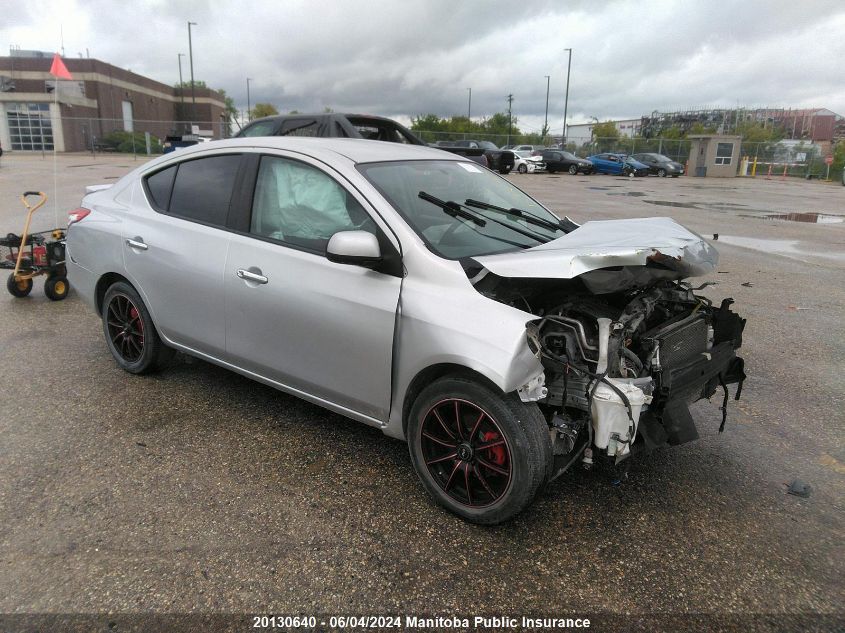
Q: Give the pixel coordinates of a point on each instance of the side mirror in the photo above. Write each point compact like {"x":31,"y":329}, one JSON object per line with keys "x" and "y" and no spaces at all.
{"x":358,"y":248}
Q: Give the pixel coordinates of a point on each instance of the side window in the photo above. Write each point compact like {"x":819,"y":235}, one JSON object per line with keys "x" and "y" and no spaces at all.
{"x":159,"y":186}
{"x":203,"y":189}
{"x":263,"y":128}
{"x":302,"y":206}
{"x":299,"y":127}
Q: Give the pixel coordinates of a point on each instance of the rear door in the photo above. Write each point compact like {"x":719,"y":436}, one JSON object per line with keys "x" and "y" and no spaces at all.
{"x":174,"y":246}
{"x":320,"y":328}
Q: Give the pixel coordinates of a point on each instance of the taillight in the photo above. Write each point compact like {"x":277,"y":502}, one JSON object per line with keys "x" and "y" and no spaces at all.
{"x":77,"y":215}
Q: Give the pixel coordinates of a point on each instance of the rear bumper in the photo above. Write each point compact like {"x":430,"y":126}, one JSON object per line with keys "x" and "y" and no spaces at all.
{"x":82,"y":280}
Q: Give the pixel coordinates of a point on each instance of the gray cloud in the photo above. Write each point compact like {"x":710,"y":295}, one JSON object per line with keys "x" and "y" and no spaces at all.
{"x":419,"y":56}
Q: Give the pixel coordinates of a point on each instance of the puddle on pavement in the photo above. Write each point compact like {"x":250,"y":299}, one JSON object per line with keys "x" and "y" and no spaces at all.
{"x":636,"y":194}
{"x":787,"y":248}
{"x":811,"y":218}
{"x":671,"y":203}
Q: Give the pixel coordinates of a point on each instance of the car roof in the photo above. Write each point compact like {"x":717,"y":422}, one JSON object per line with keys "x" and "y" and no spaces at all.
{"x":356,"y":150}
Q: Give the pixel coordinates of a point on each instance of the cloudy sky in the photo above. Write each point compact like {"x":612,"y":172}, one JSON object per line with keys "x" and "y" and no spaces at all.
{"x":401,"y":58}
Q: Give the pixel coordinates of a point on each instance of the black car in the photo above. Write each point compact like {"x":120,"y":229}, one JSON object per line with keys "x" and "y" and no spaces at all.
{"x":560,"y":160}
{"x":333,"y":125}
{"x":661,"y":165}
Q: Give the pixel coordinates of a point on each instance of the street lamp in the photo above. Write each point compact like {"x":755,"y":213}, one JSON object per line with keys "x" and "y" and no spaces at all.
{"x":469,"y":104}
{"x":181,"y":83}
{"x":191,"y":58}
{"x":566,"y":99}
{"x":546,"y":118}
{"x":248,"y":108}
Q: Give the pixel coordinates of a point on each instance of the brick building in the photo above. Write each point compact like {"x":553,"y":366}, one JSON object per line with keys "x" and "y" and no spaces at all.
{"x":100,"y":99}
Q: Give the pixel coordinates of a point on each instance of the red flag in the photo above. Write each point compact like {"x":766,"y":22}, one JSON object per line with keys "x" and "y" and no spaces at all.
{"x":58,"y":69}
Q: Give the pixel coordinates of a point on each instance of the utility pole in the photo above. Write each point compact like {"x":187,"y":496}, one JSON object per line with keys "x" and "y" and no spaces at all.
{"x":181,"y":83}
{"x":191,"y":58}
{"x":546,"y":118}
{"x":510,"y":117}
{"x":248,"y":105}
{"x":469,"y":105}
{"x":566,"y":99}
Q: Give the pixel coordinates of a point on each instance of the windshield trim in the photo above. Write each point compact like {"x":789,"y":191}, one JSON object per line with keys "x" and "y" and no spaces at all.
{"x":361,"y":169}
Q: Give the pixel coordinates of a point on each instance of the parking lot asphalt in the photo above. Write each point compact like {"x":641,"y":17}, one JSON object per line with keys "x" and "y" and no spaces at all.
{"x":199,"y":490}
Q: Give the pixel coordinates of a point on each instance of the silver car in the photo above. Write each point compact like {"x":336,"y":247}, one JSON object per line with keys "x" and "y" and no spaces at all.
{"x":416,"y":292}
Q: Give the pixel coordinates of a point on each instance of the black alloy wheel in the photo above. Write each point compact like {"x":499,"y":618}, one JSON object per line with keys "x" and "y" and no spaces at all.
{"x":465,"y":452}
{"x":482,"y":455}
{"x":130,"y":334}
{"x":573,"y":169}
{"x":661,"y":172}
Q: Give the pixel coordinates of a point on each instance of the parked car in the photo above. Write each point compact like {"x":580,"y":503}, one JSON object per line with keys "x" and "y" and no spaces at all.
{"x":497,"y":160}
{"x":411,"y":290}
{"x":332,"y":124}
{"x":560,"y":160}
{"x":525,"y":163}
{"x":660,"y":165}
{"x":619,"y":164}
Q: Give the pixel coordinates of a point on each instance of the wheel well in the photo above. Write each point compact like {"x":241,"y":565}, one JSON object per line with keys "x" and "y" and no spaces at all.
{"x":429,"y":375}
{"x":103,"y":284}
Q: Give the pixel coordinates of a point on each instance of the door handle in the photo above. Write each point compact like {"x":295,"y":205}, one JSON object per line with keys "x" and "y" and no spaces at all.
{"x":251,"y":276}
{"x":136,"y":244}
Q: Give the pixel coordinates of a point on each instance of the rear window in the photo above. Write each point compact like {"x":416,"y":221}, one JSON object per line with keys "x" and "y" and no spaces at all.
{"x":299,"y":127}
{"x":203,"y":189}
{"x":262,"y":128}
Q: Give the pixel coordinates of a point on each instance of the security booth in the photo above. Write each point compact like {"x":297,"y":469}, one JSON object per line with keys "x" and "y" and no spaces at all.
{"x":713,"y":155}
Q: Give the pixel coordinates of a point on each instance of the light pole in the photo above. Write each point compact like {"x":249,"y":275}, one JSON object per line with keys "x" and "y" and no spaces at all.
{"x":248,"y":107}
{"x":191,"y":59}
{"x":546,"y":118}
{"x":181,"y":83}
{"x":469,"y":105}
{"x":566,"y":99}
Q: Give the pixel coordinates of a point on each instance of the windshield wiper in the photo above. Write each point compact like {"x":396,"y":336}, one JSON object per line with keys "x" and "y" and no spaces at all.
{"x":453,"y":209}
{"x":456,"y":209}
{"x":525,"y":215}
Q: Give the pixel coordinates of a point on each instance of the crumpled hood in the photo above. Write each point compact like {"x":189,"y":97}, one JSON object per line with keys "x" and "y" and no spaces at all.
{"x":639,"y":251}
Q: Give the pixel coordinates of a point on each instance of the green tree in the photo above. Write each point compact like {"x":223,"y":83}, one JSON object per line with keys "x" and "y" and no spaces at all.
{"x":230,"y":113}
{"x":263,"y":109}
{"x":606,"y":136}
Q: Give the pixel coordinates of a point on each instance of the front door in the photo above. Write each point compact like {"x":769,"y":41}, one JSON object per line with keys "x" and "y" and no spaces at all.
{"x":320,"y":328}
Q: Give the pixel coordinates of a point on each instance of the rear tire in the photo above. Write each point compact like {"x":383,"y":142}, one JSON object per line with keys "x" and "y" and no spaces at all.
{"x":492,"y":466}
{"x":20,"y":288}
{"x":56,"y":288}
{"x":130,"y":333}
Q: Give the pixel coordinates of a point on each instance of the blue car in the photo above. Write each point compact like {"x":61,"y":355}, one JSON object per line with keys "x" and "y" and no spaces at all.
{"x":618,"y":164}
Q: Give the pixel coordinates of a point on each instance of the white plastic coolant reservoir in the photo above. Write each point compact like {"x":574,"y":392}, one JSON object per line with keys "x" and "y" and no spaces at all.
{"x":610,"y":415}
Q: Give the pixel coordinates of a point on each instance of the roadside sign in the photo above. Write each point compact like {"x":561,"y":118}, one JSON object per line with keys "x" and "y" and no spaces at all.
{"x":828,"y":159}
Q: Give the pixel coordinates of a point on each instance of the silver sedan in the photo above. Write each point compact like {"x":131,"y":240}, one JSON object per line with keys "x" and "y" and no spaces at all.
{"x":414,"y":291}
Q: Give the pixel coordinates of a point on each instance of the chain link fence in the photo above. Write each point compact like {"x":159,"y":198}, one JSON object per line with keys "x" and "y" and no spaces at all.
{"x":34,"y":131}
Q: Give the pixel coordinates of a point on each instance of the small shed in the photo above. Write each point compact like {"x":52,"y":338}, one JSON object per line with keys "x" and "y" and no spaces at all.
{"x":714,"y":155}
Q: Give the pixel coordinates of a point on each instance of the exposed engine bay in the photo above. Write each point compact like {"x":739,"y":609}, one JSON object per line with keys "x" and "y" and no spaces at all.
{"x":622,"y":368}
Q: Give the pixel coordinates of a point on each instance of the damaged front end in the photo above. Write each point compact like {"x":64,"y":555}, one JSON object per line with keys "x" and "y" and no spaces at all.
{"x":629,"y":366}
{"x":626,"y":348}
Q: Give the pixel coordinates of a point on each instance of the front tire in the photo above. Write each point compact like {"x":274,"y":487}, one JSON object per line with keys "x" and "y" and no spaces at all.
{"x":130,"y":333}
{"x":661,"y":172}
{"x":573,"y":169}
{"x":522,"y":169}
{"x":480,"y":454}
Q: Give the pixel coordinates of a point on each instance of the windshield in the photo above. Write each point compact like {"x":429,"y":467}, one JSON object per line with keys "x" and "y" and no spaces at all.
{"x":454,"y":236}
{"x":487,"y":145}
{"x":660,"y":158}
{"x":569,"y":156}
{"x":523,"y":154}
